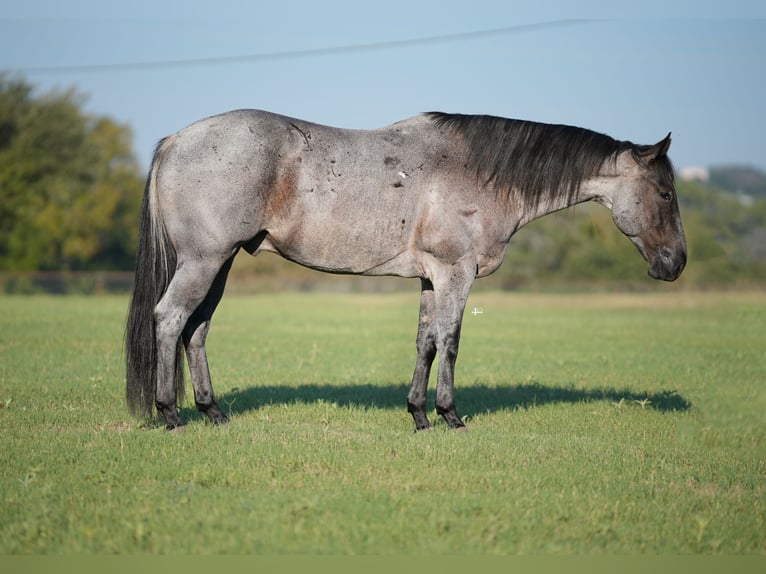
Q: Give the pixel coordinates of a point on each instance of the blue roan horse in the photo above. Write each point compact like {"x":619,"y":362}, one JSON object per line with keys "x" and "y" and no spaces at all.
{"x":436,"y":196}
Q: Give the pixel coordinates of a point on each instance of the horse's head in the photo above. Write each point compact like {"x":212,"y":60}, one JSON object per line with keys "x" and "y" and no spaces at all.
{"x":645,"y":208}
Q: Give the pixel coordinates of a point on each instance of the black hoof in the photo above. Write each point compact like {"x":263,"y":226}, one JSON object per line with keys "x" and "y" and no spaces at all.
{"x":451,"y":418}
{"x":420,"y":419}
{"x":213,"y":412}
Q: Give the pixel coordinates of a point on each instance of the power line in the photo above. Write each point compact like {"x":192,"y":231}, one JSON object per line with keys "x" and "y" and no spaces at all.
{"x":306,"y":53}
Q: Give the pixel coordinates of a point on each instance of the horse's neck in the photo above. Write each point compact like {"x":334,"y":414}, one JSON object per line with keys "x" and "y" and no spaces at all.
{"x":547,"y":205}
{"x":599,"y":189}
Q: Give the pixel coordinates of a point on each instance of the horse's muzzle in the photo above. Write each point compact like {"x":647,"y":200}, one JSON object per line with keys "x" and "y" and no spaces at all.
{"x":667,"y":264}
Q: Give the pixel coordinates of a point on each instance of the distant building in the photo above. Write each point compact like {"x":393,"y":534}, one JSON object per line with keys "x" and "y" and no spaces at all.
{"x":692,"y":173}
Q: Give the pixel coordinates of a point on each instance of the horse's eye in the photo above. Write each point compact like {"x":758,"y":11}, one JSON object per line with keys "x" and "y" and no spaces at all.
{"x":666,"y":195}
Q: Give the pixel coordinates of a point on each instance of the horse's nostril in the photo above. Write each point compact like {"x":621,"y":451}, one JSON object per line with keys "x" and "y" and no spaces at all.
{"x":665,"y":253}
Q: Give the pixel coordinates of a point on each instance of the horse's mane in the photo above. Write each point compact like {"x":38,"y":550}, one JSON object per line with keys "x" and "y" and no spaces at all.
{"x":541,"y":161}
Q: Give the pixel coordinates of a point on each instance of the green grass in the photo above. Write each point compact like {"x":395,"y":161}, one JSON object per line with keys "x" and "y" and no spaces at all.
{"x":598,"y":424}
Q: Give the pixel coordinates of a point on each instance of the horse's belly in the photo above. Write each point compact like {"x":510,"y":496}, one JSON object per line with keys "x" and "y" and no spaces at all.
{"x":371,"y":248}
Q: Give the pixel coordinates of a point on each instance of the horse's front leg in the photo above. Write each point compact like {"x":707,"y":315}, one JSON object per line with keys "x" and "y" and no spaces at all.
{"x":426,"y":346}
{"x":451,"y":293}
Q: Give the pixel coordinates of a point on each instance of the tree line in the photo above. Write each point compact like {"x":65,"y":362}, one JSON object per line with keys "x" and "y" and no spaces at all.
{"x":71,"y":189}
{"x":70,"y":185}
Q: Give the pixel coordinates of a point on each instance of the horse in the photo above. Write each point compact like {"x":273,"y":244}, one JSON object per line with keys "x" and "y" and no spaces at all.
{"x":436,"y":197}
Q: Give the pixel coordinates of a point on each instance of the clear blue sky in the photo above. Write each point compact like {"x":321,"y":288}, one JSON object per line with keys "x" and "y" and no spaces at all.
{"x":642,"y":69}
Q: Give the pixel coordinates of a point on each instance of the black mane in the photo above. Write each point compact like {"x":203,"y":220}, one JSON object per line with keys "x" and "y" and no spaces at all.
{"x":541,"y":161}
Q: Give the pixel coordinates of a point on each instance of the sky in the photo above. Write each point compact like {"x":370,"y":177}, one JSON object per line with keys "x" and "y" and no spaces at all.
{"x":632,"y":70}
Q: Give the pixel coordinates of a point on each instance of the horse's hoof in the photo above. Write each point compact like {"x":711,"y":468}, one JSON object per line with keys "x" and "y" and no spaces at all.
{"x":176,"y":428}
{"x":461,"y":429}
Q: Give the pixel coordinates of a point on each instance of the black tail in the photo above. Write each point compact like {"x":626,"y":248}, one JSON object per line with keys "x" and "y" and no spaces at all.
{"x":155,"y":266}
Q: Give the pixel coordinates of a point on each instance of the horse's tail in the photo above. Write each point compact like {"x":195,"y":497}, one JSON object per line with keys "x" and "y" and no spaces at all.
{"x":155,"y":266}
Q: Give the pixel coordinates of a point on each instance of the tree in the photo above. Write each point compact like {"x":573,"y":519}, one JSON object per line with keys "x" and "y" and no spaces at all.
{"x":70,"y":186}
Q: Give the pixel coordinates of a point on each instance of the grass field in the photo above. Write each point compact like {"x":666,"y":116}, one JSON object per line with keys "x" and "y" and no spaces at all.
{"x":599,"y":423}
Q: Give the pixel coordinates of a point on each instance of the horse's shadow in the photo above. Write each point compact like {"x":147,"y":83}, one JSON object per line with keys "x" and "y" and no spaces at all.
{"x":472,"y":400}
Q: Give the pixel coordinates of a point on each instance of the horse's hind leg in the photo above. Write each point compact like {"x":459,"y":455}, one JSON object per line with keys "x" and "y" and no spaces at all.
{"x":187,"y":290}
{"x":194,"y":336}
{"x":426,"y":346}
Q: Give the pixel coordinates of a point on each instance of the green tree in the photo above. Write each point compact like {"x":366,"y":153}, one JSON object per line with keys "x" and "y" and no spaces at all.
{"x":70,"y":186}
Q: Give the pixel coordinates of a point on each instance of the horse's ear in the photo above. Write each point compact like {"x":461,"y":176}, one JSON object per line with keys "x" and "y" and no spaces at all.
{"x":663,"y":146}
{"x":658,"y":150}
